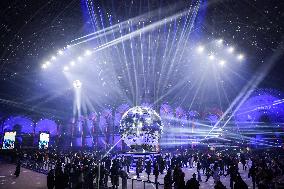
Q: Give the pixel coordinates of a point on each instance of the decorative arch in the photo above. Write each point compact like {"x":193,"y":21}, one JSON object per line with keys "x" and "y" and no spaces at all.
{"x":105,"y":117}
{"x":166,"y":113}
{"x":264,"y":105}
{"x":211,"y":119}
{"x":91,"y":123}
{"x":46,"y":125}
{"x":21,"y":124}
{"x":118,"y":114}
{"x":212,"y":115}
{"x":181,"y":115}
{"x":93,"y":116}
{"x":193,"y":115}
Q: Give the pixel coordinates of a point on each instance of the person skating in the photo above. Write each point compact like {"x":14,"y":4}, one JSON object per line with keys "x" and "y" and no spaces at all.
{"x":240,"y":183}
{"x":198,"y":167}
{"x":124,"y":177}
{"x":156,"y":172}
{"x":18,"y":169}
{"x":50,"y":179}
{"x":168,"y":180}
{"x":208,"y":173}
{"x":148,"y":169}
{"x":252,"y":174}
{"x":219,"y":185}
{"x":192,"y":183}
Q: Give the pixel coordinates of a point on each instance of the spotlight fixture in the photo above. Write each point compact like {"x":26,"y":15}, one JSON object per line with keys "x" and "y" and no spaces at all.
{"x":72,"y":63}
{"x":79,"y":58}
{"x":88,"y":53}
{"x":60,"y":52}
{"x":65,"y":68}
{"x":77,"y":84}
{"x":44,"y":66}
{"x":222,"y":62}
{"x":240,"y":57}
{"x":220,"y":41}
{"x":200,"y":49}
{"x":231,"y":49}
{"x":211,"y":57}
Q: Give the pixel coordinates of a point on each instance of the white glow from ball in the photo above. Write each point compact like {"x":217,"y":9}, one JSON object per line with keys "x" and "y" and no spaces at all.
{"x":220,"y":42}
{"x":200,"y":49}
{"x":231,"y":49}
{"x":44,"y":66}
{"x":240,"y":57}
{"x":72,"y":63}
{"x":88,"y":53}
{"x":60,"y":52}
{"x":79,"y":58}
{"x":211,"y":57}
{"x":65,"y":68}
{"x":77,"y":84}
{"x":222,"y":62}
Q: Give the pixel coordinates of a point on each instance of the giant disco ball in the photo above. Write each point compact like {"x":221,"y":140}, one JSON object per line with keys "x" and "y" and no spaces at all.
{"x":141,"y":128}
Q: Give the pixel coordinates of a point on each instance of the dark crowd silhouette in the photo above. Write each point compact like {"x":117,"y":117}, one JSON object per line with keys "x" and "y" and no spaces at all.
{"x":88,"y":170}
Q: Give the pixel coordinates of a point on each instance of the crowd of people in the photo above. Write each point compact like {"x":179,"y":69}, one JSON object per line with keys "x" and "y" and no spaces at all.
{"x":87,"y":169}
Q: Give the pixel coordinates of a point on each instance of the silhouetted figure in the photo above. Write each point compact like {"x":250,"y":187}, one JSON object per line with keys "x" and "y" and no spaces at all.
{"x":180,"y":181}
{"x":208,"y":173}
{"x":243,"y":161}
{"x":215,"y":173}
{"x":148,"y":169}
{"x":252,"y":174}
{"x":156,"y":172}
{"x":18,"y":169}
{"x":198,"y":171}
{"x":107,"y":163}
{"x":162,"y":165}
{"x":176,"y":175}
{"x":219,"y":185}
{"x":89,"y":180}
{"x":59,"y":179}
{"x":106,"y":175}
{"x":192,"y":183}
{"x":50,"y":179}
{"x":128,"y":163}
{"x":240,"y":183}
{"x":138,"y":167}
{"x":232,"y":171}
{"x":115,"y":174}
{"x":168,"y":180}
{"x":124,"y":176}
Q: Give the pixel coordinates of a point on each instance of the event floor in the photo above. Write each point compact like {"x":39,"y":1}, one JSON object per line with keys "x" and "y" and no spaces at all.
{"x":32,"y":180}
{"x":27,"y":180}
{"x":188,"y":174}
